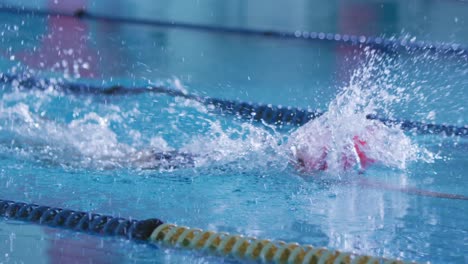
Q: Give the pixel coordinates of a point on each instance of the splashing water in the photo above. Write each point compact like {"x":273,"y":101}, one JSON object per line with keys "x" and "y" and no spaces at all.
{"x":246,"y":147}
{"x":334,"y":142}
{"x":88,"y":141}
{"x":343,"y":137}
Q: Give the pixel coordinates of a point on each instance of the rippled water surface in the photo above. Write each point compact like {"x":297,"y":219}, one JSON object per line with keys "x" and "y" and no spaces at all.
{"x":82,"y":151}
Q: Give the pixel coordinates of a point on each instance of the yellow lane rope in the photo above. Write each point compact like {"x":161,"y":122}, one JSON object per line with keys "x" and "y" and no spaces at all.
{"x":253,"y":249}
{"x":154,"y":230}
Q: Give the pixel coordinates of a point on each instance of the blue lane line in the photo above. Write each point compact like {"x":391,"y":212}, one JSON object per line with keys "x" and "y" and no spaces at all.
{"x":267,"y":113}
{"x":376,"y":42}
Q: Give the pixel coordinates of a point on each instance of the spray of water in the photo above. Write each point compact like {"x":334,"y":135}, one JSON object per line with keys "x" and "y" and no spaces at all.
{"x":90,"y":139}
{"x":244,"y":147}
{"x":343,"y":137}
{"x":326,"y":143}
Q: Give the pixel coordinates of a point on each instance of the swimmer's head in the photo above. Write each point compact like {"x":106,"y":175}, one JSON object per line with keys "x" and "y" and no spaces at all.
{"x":319,"y":152}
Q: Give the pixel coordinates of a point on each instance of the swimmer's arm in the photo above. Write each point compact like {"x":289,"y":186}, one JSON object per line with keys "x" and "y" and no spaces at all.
{"x":152,"y":159}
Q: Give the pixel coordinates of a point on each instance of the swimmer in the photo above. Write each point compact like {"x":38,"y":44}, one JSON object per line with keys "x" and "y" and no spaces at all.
{"x":303,"y":161}
{"x":316,"y":147}
{"x":313,"y":156}
{"x":352,"y":156}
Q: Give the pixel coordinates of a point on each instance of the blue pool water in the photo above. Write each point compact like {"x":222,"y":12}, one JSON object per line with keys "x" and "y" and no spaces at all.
{"x":73,"y":151}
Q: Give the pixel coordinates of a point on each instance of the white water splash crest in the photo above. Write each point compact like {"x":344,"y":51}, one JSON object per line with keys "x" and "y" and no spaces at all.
{"x":86,"y":142}
{"x":329,"y":143}
{"x":90,"y":142}
{"x":91,"y":139}
{"x":245,"y":147}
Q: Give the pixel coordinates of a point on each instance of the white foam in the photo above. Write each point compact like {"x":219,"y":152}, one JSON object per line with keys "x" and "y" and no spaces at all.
{"x":90,"y":140}
{"x":330,"y":137}
{"x":245,"y":147}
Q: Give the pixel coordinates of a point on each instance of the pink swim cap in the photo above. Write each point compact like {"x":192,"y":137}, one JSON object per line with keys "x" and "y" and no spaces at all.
{"x":318,"y":161}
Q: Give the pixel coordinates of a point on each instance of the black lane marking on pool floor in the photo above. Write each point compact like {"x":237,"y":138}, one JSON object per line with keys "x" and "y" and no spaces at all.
{"x":361,"y":181}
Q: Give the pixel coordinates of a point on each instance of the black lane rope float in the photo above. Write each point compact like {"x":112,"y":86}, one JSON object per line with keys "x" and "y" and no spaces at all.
{"x":156,"y":232}
{"x":269,"y":114}
{"x":376,"y":42}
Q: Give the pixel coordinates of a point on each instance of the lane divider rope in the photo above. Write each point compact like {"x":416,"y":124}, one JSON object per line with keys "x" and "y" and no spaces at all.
{"x":356,"y":40}
{"x":269,"y":114}
{"x":155,"y":231}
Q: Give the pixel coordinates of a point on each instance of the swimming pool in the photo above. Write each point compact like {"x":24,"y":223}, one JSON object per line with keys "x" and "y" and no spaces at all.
{"x":55,"y":147}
